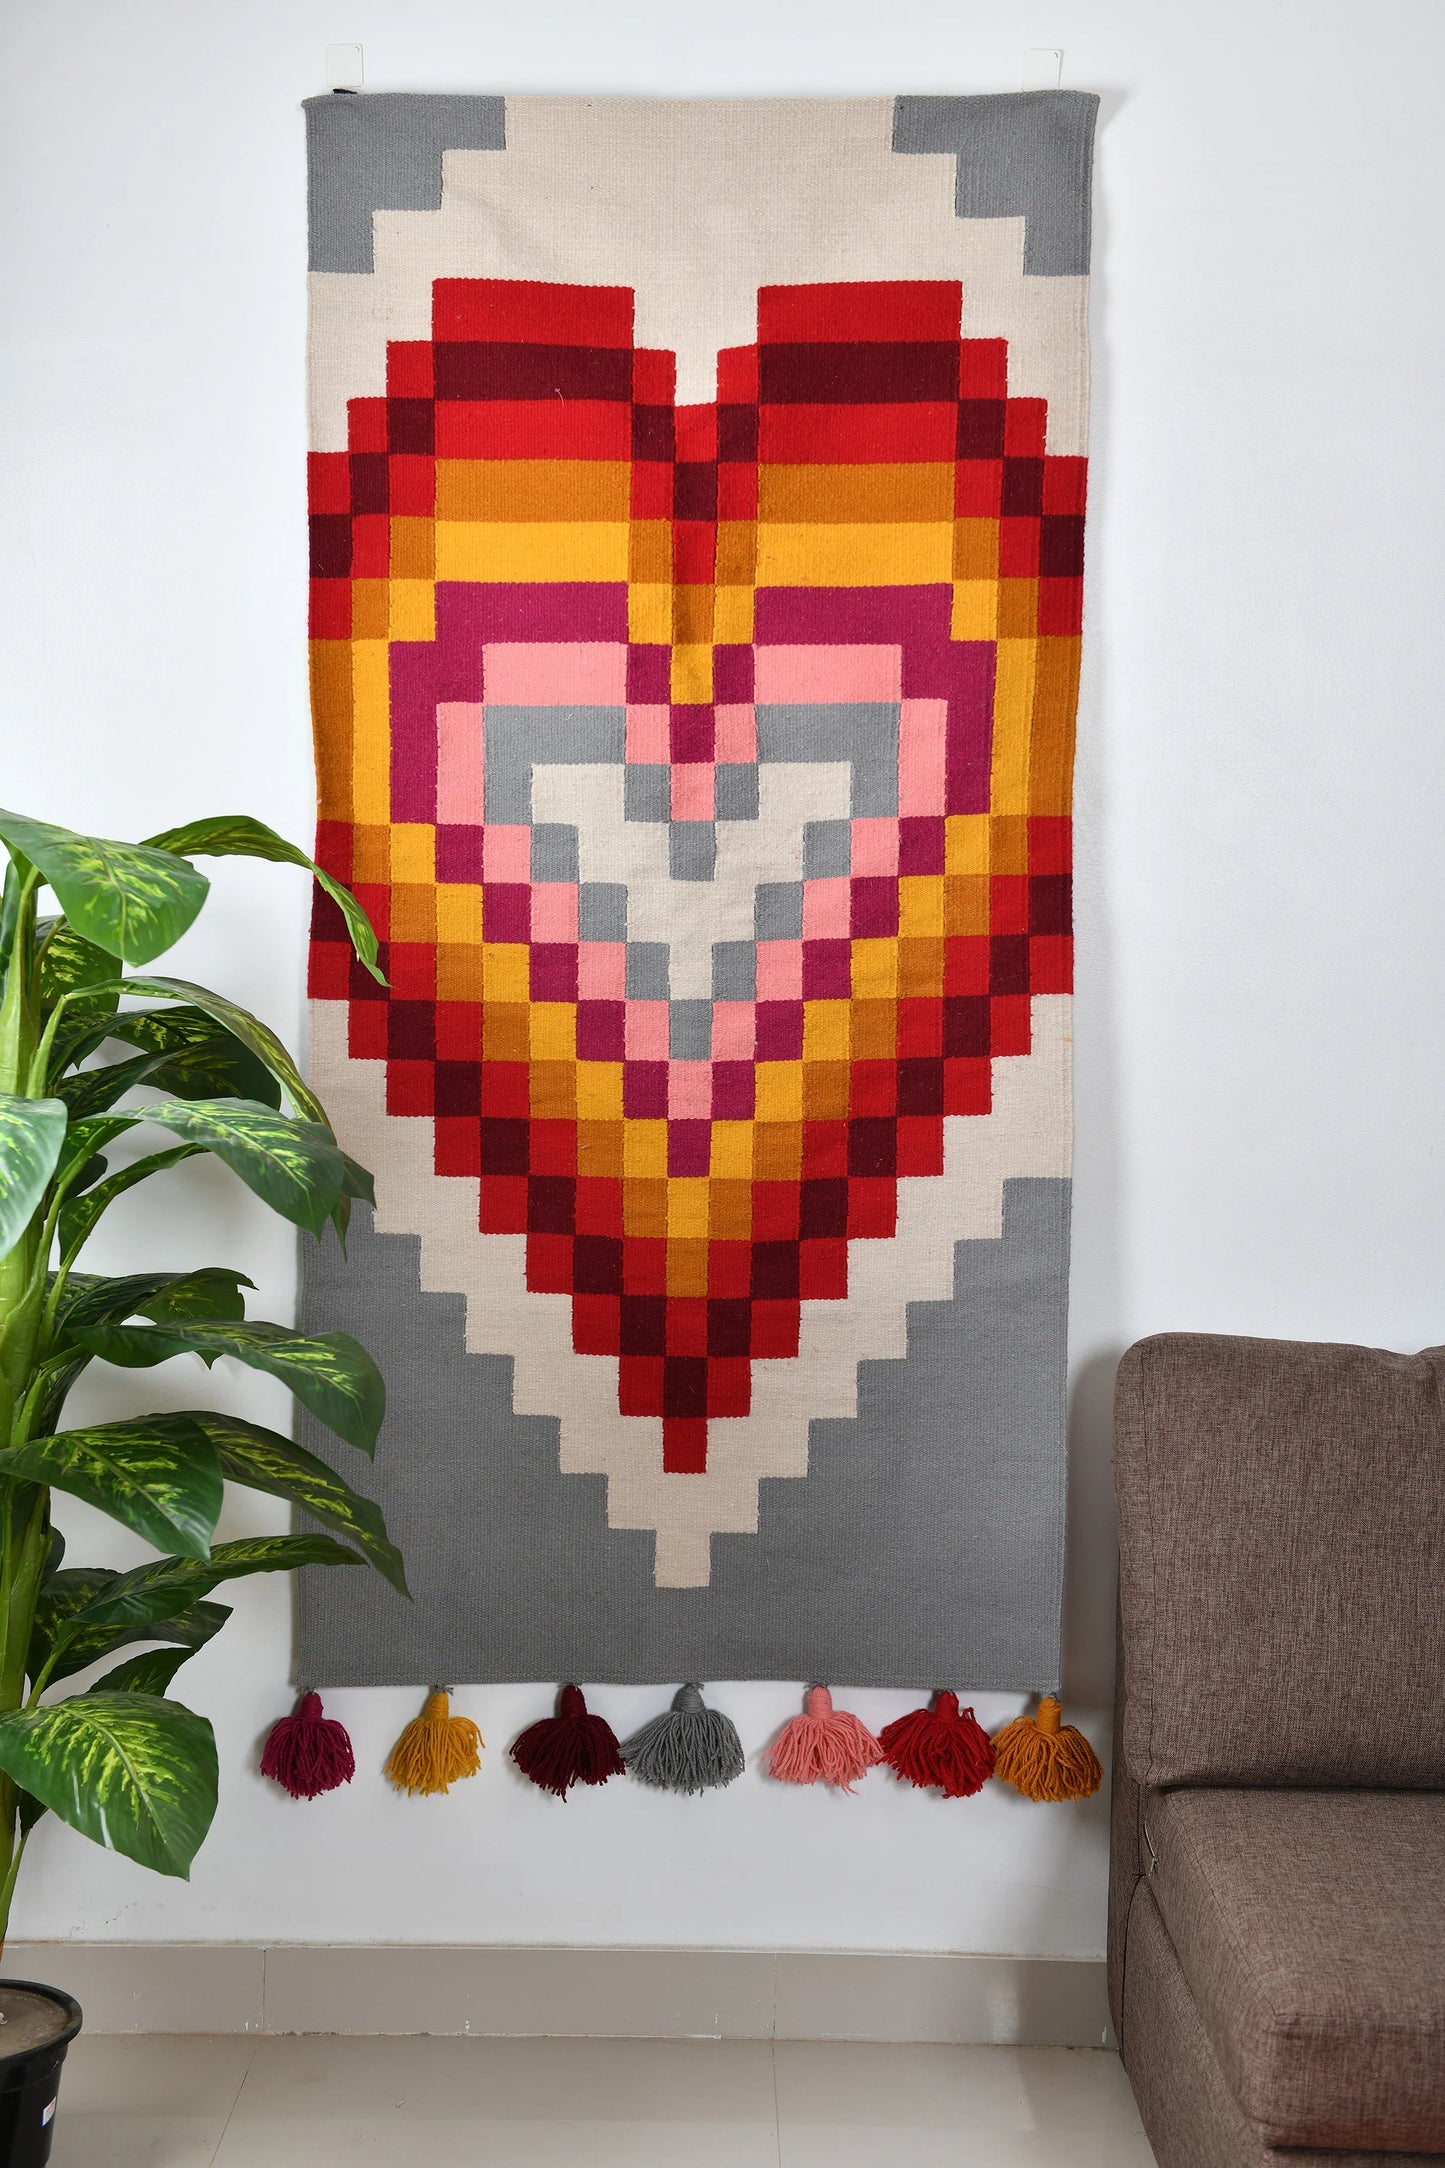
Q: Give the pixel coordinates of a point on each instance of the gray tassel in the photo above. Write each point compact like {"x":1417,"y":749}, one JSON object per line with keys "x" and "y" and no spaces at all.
{"x":690,"y":1749}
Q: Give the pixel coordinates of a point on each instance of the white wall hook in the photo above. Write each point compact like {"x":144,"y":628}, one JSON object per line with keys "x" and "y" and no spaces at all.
{"x":1043,"y":67}
{"x":344,"y":70}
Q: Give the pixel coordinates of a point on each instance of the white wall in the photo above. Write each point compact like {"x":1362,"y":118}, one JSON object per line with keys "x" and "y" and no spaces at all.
{"x":1260,"y":1023}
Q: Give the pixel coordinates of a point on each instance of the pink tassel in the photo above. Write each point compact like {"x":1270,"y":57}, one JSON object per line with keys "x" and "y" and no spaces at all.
{"x":308,"y":1753}
{"x":823,"y":1746}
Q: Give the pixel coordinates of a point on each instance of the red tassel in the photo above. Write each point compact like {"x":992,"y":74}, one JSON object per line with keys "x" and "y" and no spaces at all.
{"x":823,"y":1746}
{"x":940,"y":1749}
{"x":308,"y":1753}
{"x":572,"y":1747}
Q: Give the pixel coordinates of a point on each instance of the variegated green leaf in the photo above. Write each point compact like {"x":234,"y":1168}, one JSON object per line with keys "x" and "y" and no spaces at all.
{"x":149,"y":1673}
{"x":168,"y":1588}
{"x":288,"y":1163}
{"x":58,"y":1373}
{"x":32,"y":1132}
{"x":156,"y":1475}
{"x":266,"y":1461}
{"x":80,"y":1213}
{"x":64,"y":1593}
{"x":127,"y":898}
{"x":83,"y":1030}
{"x":81,"y":1644}
{"x":90,"y":1300}
{"x":212,"y":1292}
{"x":237,"y":835}
{"x":165,"y":1297}
{"x":329,"y":1372}
{"x":130,"y":1771}
{"x":217,"y":1066}
{"x":67,"y":1592}
{"x":28,"y":1812}
{"x":356,"y":1182}
{"x":93,"y":1091}
{"x":194,"y":1041}
{"x":249,"y":1029}
{"x":68,"y":963}
{"x":83,"y":1139}
{"x":88,"y":1173}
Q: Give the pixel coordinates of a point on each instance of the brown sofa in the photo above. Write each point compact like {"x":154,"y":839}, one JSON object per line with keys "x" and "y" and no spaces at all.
{"x":1277,"y":1894}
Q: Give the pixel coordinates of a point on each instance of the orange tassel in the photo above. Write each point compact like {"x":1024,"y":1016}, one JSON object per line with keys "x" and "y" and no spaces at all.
{"x":436,"y":1749}
{"x":1045,"y":1758}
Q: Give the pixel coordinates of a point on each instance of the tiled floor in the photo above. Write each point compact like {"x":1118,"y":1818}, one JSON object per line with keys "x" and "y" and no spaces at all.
{"x":321,"y":2102}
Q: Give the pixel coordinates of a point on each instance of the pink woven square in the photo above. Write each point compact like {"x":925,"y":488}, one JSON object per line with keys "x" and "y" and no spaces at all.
{"x":827,"y":909}
{"x":506,"y":854}
{"x":646,"y":1031}
{"x":554,"y":911}
{"x":735,"y":733}
{"x":875,"y":846}
{"x":647,"y":734}
{"x":689,"y":1089}
{"x":459,"y":762}
{"x":692,"y":791}
{"x":780,"y":971}
{"x":602,"y":970}
{"x":922,"y":743}
{"x":734,"y":1030}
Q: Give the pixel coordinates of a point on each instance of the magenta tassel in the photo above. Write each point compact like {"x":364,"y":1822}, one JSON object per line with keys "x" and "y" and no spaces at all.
{"x":308,"y":1753}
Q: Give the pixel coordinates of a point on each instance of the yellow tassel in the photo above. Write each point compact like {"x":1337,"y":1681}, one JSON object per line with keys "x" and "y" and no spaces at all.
{"x":1045,"y":1758}
{"x":436,"y":1749}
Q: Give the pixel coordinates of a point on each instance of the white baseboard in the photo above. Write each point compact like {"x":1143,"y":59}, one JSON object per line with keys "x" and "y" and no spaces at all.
{"x":148,"y":1987}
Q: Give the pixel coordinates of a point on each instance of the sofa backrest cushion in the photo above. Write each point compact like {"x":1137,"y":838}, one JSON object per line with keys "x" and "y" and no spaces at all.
{"x":1282,"y":1562}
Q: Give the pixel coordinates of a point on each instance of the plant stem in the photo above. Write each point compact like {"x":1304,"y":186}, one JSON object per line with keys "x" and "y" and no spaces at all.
{"x":25,"y":1549}
{"x":39,"y":1074}
{"x":17,"y":1008}
{"x":24,"y":1543}
{"x":7,"y":1887}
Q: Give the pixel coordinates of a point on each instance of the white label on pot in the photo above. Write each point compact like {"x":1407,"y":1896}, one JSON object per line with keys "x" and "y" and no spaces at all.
{"x":49,"y":2112}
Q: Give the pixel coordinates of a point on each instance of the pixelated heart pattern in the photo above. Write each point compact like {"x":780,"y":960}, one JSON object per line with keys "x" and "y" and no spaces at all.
{"x":705,"y":770}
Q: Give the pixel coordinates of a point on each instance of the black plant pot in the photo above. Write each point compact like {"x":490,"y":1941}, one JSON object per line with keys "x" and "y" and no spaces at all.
{"x":42,"y":2022}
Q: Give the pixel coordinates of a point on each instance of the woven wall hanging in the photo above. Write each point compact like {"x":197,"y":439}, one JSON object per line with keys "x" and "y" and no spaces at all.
{"x":697,"y":497}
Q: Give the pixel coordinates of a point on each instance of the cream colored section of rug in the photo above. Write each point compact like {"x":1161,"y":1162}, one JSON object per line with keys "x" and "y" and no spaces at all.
{"x":695,"y":206}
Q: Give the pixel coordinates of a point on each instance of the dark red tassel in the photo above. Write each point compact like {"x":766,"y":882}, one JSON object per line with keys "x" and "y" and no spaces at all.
{"x":308,"y":1753}
{"x":940,"y":1749}
{"x":572,"y":1747}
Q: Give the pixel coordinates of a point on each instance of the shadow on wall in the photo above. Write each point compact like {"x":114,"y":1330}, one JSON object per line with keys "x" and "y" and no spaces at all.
{"x":1092,"y":1551}
{"x":1097,"y":1292}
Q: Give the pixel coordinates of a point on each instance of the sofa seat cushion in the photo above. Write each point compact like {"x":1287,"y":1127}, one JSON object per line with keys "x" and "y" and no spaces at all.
{"x":1310,"y":1927}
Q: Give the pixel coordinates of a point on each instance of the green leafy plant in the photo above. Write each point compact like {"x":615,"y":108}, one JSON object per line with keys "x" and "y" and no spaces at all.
{"x":121,"y":1761}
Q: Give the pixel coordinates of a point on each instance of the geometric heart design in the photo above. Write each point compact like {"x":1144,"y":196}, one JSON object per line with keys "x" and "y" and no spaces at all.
{"x":708,"y":789}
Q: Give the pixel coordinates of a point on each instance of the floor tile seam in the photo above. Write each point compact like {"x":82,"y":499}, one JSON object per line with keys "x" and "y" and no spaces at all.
{"x":252,"y":2045}
{"x":777,"y":2112}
